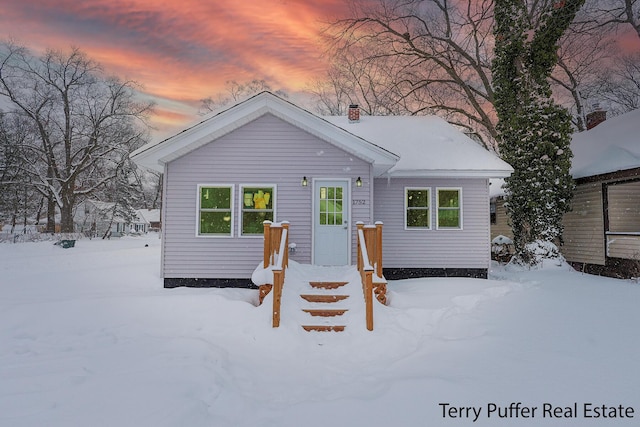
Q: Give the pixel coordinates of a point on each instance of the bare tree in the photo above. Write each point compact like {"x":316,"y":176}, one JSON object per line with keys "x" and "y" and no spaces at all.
{"x":86,"y":124}
{"x":603,"y":13}
{"x":433,"y":56}
{"x":437,"y":52}
{"x":234,"y":92}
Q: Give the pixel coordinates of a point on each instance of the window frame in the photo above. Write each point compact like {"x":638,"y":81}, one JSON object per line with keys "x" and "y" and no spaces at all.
{"x":241,"y":209}
{"x":459,"y":208}
{"x":199,"y":210}
{"x":428,"y":208}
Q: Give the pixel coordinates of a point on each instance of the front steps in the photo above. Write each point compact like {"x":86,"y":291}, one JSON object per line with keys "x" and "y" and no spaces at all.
{"x":323,"y":317}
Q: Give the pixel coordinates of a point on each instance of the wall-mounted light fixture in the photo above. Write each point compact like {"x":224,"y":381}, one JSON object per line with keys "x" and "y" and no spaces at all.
{"x":304,"y":182}
{"x":359,"y":182}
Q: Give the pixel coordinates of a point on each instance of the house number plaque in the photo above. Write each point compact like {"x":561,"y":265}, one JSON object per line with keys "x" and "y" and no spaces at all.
{"x":358,"y":202}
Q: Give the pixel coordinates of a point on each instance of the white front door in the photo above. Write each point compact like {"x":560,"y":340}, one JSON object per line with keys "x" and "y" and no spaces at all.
{"x":331,"y":245}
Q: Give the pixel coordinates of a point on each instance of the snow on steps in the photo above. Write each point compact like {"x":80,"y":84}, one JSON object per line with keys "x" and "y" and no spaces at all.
{"x":320,"y":311}
{"x":322,"y":299}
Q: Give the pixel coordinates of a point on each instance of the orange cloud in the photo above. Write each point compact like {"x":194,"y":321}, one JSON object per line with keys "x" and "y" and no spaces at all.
{"x":183,"y":50}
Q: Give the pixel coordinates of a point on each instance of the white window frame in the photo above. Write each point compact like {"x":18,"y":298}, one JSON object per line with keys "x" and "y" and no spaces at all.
{"x":231,"y":207}
{"x":429,"y":208}
{"x":241,"y":206}
{"x":460,"y":207}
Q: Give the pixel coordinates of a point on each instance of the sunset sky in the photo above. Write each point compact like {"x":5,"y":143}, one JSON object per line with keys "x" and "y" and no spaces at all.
{"x":181,"y":51}
{"x":184,"y":50}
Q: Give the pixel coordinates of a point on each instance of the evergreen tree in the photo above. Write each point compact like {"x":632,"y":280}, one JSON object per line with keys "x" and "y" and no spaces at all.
{"x":534,"y":132}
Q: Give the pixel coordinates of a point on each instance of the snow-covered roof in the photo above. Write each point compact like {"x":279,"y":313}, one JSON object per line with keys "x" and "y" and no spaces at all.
{"x":612,"y":146}
{"x":428,"y":146}
{"x":148,"y":215}
{"x":401,"y":146}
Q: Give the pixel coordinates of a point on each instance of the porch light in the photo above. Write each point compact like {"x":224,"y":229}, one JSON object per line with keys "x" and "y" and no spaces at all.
{"x":359,"y":182}
{"x":304,"y":182}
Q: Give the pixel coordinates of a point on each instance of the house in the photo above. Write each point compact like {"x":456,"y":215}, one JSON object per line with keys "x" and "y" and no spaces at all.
{"x":150,"y":219}
{"x":500,"y":225}
{"x":268,"y":159}
{"x":602,"y":233}
{"x":95,"y":218}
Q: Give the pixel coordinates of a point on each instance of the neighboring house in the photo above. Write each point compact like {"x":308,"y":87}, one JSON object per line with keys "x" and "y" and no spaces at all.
{"x":602,"y":233}
{"x":500,"y":225}
{"x":147,"y":220}
{"x":96,"y":219}
{"x":268,"y":159}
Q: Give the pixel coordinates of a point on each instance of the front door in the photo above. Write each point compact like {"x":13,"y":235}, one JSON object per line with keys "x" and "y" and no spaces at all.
{"x":331,"y":244}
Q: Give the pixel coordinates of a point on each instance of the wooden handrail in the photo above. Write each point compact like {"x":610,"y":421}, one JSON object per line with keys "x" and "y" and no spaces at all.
{"x":276,"y":257}
{"x":370,"y":260}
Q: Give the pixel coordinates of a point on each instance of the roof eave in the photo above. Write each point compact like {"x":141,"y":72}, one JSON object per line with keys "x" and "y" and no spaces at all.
{"x":450,"y":173}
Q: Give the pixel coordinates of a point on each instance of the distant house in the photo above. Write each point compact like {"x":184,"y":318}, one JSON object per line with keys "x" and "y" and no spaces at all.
{"x":147,"y":220}
{"x":268,"y":159}
{"x":602,"y":233}
{"x":95,"y":218}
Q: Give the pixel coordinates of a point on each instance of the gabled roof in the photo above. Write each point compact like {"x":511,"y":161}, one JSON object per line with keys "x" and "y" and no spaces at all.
{"x":156,"y":155}
{"x":612,"y":146}
{"x":399,"y":146}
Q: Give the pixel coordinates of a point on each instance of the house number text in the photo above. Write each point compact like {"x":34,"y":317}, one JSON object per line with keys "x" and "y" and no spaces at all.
{"x":359,"y":202}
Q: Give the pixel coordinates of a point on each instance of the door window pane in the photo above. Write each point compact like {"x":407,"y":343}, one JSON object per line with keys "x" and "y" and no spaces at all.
{"x":331,"y":208}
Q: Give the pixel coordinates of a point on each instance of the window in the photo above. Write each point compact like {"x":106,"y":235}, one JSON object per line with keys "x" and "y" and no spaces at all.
{"x":418,"y":212}
{"x":215,"y":214}
{"x":331,"y":205}
{"x":257,"y":206}
{"x":449,"y":208}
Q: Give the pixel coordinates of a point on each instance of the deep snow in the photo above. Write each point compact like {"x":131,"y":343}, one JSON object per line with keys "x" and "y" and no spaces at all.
{"x":88,"y":337}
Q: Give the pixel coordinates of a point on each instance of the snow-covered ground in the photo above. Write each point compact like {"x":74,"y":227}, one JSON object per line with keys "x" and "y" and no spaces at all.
{"x":88,"y":337}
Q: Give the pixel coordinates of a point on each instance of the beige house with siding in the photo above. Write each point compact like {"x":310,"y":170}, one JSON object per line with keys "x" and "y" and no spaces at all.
{"x":602,"y":232}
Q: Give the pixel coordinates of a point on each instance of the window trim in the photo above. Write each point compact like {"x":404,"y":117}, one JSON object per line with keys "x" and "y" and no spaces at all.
{"x":231,"y":187}
{"x":241,"y":206}
{"x":429,"y":208}
{"x":460,"y":207}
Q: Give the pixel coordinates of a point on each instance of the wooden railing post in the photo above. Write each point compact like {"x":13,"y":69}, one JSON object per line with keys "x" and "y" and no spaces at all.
{"x":285,"y":263}
{"x":368,"y":298}
{"x":278,"y":279}
{"x":359,"y":226}
{"x":379,"y":249}
{"x":267,"y":244}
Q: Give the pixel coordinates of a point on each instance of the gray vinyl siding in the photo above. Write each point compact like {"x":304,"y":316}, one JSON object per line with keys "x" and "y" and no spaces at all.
{"x":265,"y":151}
{"x":624,"y":217}
{"x":584,"y":226}
{"x":466,"y":248}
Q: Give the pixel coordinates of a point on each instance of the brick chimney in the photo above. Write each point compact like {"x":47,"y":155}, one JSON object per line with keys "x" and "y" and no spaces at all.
{"x":354,"y":113}
{"x":596,"y":117}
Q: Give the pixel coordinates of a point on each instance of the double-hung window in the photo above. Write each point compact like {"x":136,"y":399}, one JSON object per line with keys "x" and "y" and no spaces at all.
{"x":257,"y":205}
{"x":449,"y":213}
{"x":417,"y":208}
{"x":215,"y":210}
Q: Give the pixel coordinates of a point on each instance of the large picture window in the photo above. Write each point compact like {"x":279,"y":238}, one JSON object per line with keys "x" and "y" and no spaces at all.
{"x":449,"y":208}
{"x":417,"y":208}
{"x":215,"y":210}
{"x":258,"y":205}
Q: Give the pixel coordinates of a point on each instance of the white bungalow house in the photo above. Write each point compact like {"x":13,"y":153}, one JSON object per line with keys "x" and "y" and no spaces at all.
{"x":268,"y":159}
